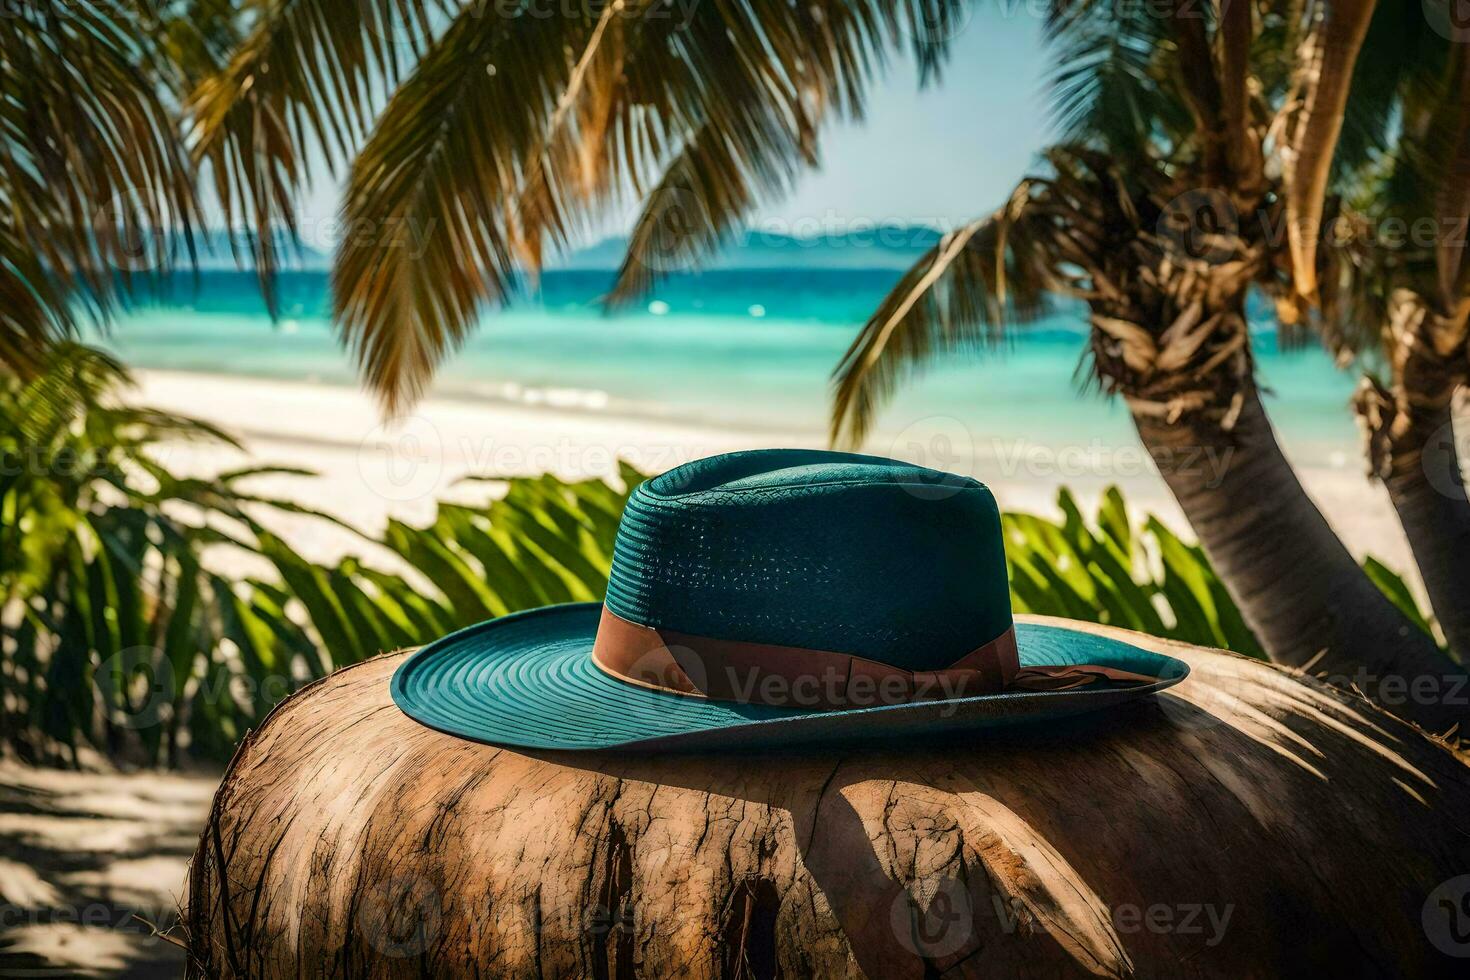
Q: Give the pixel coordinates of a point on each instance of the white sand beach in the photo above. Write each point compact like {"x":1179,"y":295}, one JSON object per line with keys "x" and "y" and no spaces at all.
{"x":368,"y":471}
{"x":91,"y":864}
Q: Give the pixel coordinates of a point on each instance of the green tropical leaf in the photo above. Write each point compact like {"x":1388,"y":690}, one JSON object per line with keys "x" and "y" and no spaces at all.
{"x":1393,"y":585}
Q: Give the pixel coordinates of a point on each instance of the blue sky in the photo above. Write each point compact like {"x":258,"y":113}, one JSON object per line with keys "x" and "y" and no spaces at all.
{"x":944,"y":155}
{"x":940,"y":156}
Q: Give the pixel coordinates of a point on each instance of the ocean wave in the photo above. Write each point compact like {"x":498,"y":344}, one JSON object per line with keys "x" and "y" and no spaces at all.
{"x":515,"y":393}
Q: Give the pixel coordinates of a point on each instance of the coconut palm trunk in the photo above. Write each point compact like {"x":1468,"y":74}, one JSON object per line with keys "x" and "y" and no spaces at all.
{"x":1411,"y":447}
{"x":1298,"y":587}
{"x":1435,"y":514}
{"x":1169,"y":335}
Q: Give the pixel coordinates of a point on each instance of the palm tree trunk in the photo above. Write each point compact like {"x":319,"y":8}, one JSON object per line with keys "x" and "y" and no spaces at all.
{"x":1410,"y":444}
{"x":1308,"y":601}
{"x":1411,"y":448}
{"x":1435,"y":513}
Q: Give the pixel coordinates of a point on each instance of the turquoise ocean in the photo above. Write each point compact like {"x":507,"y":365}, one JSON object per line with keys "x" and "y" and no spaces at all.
{"x":746,"y":348}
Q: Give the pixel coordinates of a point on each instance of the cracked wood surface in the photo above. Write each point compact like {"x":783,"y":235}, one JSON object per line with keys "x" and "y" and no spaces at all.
{"x":1241,"y":824}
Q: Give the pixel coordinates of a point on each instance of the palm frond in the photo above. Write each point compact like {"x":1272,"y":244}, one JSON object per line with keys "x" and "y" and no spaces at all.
{"x":198,"y":37}
{"x":754,"y":121}
{"x":1353,"y":289}
{"x":1391,"y":87}
{"x":1233,"y":42}
{"x":603,"y":128}
{"x":960,"y":296}
{"x":1113,"y":77}
{"x":1451,"y":129}
{"x":1281,"y":29}
{"x":1326,"y":74}
{"x":303,"y":76}
{"x":93,"y":183}
{"x":504,"y":142}
{"x":773,"y":74}
{"x":428,"y":195}
{"x":35,"y":309}
{"x":73,"y":382}
{"x":1413,"y":173}
{"x":705,"y":191}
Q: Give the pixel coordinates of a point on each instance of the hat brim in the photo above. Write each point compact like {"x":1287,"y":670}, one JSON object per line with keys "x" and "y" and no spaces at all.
{"x":527,"y":680}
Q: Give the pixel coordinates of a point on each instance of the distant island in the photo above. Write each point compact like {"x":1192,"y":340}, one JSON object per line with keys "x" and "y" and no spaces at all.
{"x":886,"y":246}
{"x":871,"y":247}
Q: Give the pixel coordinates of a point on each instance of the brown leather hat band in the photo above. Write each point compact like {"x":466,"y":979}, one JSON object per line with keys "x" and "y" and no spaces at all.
{"x":766,"y":673}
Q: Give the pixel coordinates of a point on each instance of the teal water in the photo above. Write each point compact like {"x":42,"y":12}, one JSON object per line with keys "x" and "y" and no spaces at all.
{"x":743,"y":348}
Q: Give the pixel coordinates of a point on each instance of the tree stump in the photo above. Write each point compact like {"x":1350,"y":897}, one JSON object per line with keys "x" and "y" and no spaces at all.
{"x":1244,"y":823}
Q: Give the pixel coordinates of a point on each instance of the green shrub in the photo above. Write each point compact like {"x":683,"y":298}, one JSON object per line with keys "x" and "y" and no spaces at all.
{"x":109,"y":619}
{"x":1109,"y":571}
{"x":1140,"y":577}
{"x":116,"y":631}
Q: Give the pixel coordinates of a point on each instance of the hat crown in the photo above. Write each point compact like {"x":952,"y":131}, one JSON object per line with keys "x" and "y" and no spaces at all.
{"x":818,"y":550}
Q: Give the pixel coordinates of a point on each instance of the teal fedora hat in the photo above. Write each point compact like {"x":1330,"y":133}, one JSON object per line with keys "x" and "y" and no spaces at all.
{"x":779,"y":598}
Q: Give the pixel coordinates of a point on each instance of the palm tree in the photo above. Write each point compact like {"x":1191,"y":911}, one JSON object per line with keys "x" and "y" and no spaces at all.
{"x":1398,"y":302}
{"x":1159,"y":213}
{"x":95,"y":186}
